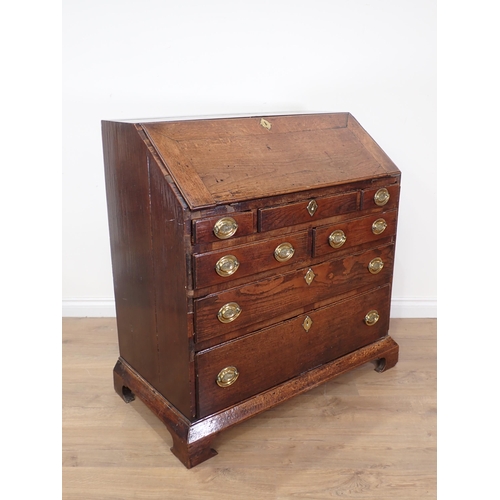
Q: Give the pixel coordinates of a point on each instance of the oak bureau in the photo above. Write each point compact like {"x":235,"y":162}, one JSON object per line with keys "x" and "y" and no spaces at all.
{"x":252,"y":261}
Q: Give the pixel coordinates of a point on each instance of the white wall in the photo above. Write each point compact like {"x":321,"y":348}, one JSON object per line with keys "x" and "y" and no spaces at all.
{"x":160,"y":58}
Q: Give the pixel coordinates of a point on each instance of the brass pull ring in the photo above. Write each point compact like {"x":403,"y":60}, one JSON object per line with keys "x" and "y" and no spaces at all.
{"x":378,"y":227}
{"x":227,"y":376}
{"x":337,"y":238}
{"x":372,"y":317}
{"x":227,"y":265}
{"x":376,"y":265}
{"x":284,"y":252}
{"x":381,"y":197}
{"x":228,"y":312}
{"x":225,"y":228}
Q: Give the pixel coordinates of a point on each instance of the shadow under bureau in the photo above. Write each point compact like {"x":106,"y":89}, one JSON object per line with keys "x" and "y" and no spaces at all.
{"x":252,"y":261}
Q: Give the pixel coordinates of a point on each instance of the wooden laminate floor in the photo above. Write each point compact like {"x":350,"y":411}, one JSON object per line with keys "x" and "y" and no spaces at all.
{"x":362,"y":435}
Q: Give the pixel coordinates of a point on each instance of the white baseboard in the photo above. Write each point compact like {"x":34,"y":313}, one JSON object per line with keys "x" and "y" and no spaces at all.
{"x":88,"y":308}
{"x":413,"y":308}
{"x":105,"y":308}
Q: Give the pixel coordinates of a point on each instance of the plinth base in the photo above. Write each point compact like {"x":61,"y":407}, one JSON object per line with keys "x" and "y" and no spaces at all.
{"x":192,"y":440}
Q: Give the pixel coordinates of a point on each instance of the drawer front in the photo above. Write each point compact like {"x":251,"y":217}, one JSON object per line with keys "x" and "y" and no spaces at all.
{"x":386,"y":198}
{"x":224,"y":227}
{"x":337,"y":237}
{"x":246,"y":260}
{"x":241,"y":307}
{"x":313,"y":209}
{"x":283,"y":351}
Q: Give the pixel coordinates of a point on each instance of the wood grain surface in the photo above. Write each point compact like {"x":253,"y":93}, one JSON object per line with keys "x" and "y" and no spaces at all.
{"x":229,"y":160}
{"x":285,"y":350}
{"x":363,"y":435}
{"x":263,"y":301}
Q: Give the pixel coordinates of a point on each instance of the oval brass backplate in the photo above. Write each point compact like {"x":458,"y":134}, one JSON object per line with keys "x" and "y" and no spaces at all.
{"x":225,"y":228}
{"x":337,"y":238}
{"x":376,"y":265}
{"x":381,"y":197}
{"x":227,"y":376}
{"x":227,"y":265}
{"x":378,"y":227}
{"x":372,"y":317}
{"x":229,"y":312}
{"x":284,"y":252}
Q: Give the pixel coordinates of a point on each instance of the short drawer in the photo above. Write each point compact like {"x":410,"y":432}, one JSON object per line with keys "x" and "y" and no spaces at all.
{"x":280,"y":296}
{"x":313,"y":209}
{"x":385,"y":197}
{"x":225,"y":227}
{"x":242,"y":368}
{"x":338,"y":237}
{"x":246,"y":260}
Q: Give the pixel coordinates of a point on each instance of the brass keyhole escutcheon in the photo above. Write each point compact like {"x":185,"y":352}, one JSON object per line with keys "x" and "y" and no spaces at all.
{"x":378,"y":227}
{"x":227,"y":265}
{"x":372,"y":317}
{"x":225,"y":228}
{"x":312,"y":206}
{"x":265,"y":124}
{"x":376,"y":265}
{"x":337,"y":238}
{"x":307,"y":323}
{"x":227,"y":376}
{"x":284,"y":252}
{"x":229,"y":312}
{"x":381,"y":197}
{"x":309,"y":276}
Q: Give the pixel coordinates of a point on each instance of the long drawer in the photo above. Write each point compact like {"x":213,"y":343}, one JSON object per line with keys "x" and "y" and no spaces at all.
{"x":279,"y":296}
{"x":236,"y":370}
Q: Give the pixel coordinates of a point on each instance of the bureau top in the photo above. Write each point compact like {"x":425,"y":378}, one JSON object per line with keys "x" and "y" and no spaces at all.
{"x":227,"y":160}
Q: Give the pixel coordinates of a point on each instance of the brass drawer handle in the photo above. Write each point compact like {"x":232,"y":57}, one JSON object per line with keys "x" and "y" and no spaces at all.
{"x":372,"y":317}
{"x":376,"y":265}
{"x":337,"y":238}
{"x":225,"y":228}
{"x":229,"y":312}
{"x":227,"y":265}
{"x":227,"y":376}
{"x":312,"y":206}
{"x":284,"y":252}
{"x":381,"y":197}
{"x":378,"y":227}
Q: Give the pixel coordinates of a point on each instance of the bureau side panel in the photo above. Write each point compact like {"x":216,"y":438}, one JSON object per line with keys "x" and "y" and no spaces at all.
{"x":129,"y":216}
{"x":176,"y":369}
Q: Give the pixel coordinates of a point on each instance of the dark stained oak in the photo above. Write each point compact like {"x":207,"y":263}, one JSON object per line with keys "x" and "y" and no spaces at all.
{"x":168,"y":183}
{"x":356,"y":231}
{"x":129,"y":215}
{"x":176,"y":369}
{"x":281,"y":352}
{"x":263,"y":300}
{"x":228,"y":160}
{"x":297,"y":213}
{"x":203,"y":229}
{"x":253,"y":258}
{"x":368,"y":202}
{"x":192,"y":440}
